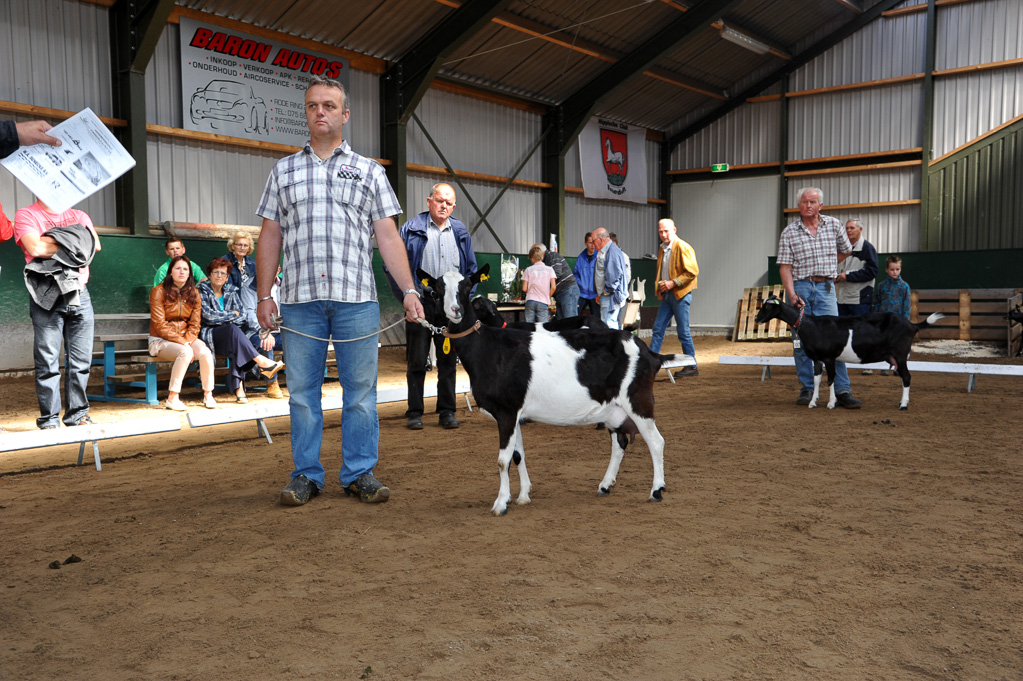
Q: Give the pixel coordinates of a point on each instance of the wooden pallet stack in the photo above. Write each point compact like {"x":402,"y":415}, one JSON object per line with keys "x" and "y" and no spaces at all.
{"x":746,"y":328}
{"x":970,"y":314}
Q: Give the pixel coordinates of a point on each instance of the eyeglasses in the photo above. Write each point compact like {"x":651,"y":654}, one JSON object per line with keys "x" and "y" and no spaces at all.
{"x":218,"y":273}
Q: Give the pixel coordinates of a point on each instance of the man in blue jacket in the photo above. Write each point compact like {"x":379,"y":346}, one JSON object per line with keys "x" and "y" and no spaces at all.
{"x":583,"y":271}
{"x":610,"y":277}
{"x":436,"y":243}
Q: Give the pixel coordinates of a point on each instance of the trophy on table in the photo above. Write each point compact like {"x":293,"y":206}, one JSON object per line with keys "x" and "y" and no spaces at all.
{"x":509,"y":272}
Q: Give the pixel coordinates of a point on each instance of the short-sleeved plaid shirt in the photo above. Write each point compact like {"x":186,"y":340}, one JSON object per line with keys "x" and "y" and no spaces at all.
{"x":813,"y":256}
{"x":326,"y":210}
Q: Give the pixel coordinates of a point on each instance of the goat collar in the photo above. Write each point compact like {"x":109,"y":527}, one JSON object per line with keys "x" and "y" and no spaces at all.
{"x":475,"y":327}
{"x":800,"y":320}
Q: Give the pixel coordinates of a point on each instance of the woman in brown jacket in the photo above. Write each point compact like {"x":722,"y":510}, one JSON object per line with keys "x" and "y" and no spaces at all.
{"x":175,"y":316}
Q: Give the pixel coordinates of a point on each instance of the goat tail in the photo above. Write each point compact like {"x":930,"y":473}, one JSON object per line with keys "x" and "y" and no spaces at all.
{"x":675,"y":361}
{"x":930,"y":321}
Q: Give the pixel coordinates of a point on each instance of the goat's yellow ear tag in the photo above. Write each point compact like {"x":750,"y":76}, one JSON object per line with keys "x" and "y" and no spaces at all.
{"x":425,"y":284}
{"x":484,"y":277}
{"x":447,"y":346}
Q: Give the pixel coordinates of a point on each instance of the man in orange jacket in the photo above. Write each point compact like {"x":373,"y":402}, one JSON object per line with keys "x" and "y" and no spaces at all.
{"x":676,"y":281}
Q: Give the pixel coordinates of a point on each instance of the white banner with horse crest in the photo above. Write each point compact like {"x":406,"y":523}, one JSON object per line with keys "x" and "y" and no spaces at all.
{"x":612,"y":157}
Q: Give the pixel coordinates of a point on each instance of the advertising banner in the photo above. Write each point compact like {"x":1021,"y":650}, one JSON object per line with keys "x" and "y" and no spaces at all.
{"x":237,"y":84}
{"x":612,"y":157}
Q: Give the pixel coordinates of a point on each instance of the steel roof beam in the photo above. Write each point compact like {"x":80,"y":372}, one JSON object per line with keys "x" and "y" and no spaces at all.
{"x":581,"y":105}
{"x":812,"y":52}
{"x":416,"y":69}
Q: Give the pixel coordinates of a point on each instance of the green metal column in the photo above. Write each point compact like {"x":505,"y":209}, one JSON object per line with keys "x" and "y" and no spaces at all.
{"x":393,"y":134}
{"x":554,"y":175}
{"x":135,"y":29}
{"x":930,"y":205}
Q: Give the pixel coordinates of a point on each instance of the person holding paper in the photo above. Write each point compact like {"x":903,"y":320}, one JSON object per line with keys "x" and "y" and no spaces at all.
{"x":60,"y":314}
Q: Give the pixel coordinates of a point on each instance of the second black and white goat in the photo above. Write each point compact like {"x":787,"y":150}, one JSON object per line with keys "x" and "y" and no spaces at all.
{"x":575,"y":377}
{"x":876,"y":337}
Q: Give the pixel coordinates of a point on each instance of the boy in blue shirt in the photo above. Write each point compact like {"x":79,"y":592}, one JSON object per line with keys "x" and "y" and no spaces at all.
{"x":892,"y":294}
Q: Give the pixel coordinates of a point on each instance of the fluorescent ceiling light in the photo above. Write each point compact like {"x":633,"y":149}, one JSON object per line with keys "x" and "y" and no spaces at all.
{"x":743,"y":40}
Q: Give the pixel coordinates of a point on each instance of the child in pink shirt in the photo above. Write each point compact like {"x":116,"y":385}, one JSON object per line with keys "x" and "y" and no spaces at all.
{"x":538,"y":283}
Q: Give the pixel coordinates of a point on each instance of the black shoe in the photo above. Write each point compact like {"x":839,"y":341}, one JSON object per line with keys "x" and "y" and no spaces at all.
{"x":299,"y":491}
{"x":688,"y":371}
{"x":415,"y":423}
{"x":805,"y":395}
{"x":368,"y":489}
{"x":848,"y":401}
{"x":449,"y":421}
{"x":50,"y":426}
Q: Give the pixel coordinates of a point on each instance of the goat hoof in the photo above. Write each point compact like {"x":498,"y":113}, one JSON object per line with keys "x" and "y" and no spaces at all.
{"x":603,"y":492}
{"x":906,"y":408}
{"x":656,"y":494}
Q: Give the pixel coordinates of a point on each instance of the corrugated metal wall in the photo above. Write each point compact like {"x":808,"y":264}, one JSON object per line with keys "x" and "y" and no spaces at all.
{"x":53,"y":53}
{"x":968,"y":105}
{"x":728,"y":223}
{"x":976,"y":199}
{"x":749,"y":134}
{"x":474,"y":135}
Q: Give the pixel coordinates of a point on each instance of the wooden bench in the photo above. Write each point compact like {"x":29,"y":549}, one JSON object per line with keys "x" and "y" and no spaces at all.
{"x":33,"y":439}
{"x":260,"y":412}
{"x":972,"y":369}
{"x":109,"y":362}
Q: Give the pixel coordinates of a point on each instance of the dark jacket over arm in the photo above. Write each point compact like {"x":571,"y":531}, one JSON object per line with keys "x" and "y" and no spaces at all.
{"x":8,"y":138}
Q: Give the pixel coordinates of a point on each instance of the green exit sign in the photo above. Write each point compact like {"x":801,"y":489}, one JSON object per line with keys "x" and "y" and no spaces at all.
{"x":719,"y":168}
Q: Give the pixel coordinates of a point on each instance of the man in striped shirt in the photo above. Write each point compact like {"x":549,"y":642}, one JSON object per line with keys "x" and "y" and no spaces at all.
{"x":808,"y":255}
{"x":323,"y":205}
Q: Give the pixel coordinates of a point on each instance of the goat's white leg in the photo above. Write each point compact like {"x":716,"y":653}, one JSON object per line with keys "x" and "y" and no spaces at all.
{"x":816,"y":391}
{"x":655,"y":443}
{"x":833,"y":398}
{"x":611,"y":474}
{"x":904,"y":404}
{"x":520,"y":461}
{"x":504,"y":458}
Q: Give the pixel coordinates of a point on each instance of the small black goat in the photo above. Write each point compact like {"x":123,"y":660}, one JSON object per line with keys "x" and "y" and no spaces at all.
{"x":1015,"y":317}
{"x":876,"y":337}
{"x":487,"y":312}
{"x":575,"y":377}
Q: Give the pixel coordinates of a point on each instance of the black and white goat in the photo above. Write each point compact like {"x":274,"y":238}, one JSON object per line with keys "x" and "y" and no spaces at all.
{"x":875,"y":337}
{"x":575,"y":377}
{"x":488,"y":313}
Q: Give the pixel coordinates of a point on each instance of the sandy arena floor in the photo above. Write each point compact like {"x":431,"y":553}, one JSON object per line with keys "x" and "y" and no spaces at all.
{"x":791,"y":544}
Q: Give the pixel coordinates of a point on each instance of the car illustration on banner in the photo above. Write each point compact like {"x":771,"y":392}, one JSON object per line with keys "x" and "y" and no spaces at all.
{"x":231,"y":102}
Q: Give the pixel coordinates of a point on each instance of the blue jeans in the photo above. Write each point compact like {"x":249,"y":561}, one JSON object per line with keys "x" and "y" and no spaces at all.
{"x":679,"y":311}
{"x":850,"y":310}
{"x":567,"y":298}
{"x":537,"y":312}
{"x":357,"y":368}
{"x":609,"y":312}
{"x":72,"y":326}
{"x":822,"y":303}
{"x":588,"y":304}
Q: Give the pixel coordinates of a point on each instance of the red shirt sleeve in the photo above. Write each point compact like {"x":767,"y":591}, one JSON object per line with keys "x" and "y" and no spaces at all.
{"x":6,"y":228}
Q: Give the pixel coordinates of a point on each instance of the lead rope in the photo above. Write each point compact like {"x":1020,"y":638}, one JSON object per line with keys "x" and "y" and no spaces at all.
{"x":276,"y":319}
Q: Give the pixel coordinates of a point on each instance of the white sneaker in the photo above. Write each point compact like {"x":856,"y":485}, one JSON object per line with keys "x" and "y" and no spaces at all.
{"x":210,"y":403}
{"x":175,"y":405}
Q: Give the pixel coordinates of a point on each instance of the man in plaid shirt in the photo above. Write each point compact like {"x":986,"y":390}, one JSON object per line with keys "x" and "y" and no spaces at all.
{"x":808,"y":255}
{"x":323,"y":205}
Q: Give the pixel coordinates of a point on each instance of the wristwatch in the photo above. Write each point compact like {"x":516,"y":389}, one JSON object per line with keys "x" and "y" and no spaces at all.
{"x":412,"y":291}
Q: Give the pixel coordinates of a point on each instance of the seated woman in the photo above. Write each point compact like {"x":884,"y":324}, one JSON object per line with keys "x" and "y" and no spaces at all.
{"x":175,"y":316}
{"x":242,"y":276}
{"x":226,"y":328}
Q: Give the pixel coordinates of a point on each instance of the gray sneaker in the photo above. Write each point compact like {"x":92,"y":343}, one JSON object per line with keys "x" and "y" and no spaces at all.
{"x":847,"y":401}
{"x":368,"y":489}
{"x":300,"y":490}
